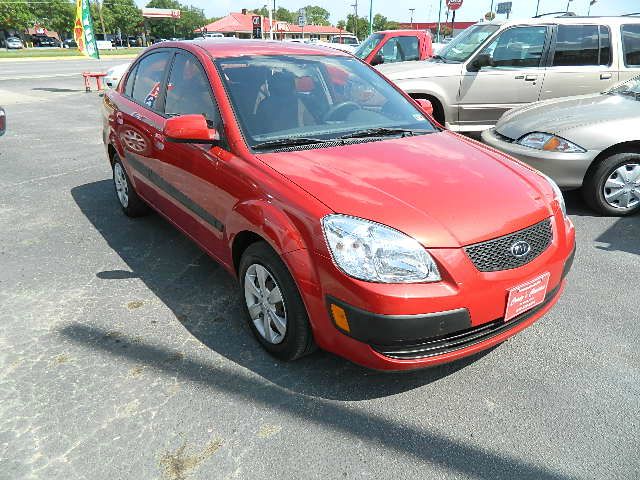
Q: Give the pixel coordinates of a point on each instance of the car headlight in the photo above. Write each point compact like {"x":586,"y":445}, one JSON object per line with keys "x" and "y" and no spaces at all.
{"x":550,"y":143}
{"x":374,"y":252}
{"x":557,"y":194}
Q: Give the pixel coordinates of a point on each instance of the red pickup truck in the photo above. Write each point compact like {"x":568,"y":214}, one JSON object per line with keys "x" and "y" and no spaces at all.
{"x":395,"y":46}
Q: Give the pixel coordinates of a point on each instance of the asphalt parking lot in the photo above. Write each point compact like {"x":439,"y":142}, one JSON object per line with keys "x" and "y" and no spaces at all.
{"x":124,"y":352}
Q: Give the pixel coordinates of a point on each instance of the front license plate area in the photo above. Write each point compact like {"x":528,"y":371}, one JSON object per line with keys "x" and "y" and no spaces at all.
{"x":526,"y":296}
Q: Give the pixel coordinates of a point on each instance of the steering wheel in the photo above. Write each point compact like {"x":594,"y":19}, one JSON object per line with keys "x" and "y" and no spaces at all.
{"x":343,"y":107}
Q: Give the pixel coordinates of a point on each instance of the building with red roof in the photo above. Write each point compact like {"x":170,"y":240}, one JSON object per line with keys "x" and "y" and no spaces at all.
{"x":240,"y":25}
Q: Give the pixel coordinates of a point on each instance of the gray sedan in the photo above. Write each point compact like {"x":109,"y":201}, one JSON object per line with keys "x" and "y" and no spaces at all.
{"x":590,"y":142}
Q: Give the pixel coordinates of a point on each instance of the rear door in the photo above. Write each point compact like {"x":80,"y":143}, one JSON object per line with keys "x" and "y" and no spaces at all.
{"x":139,"y":122}
{"x":630,"y":66}
{"x":514,"y":77}
{"x":581,"y":61}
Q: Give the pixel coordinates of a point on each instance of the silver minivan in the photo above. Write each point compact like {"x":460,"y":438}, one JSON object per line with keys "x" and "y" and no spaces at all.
{"x":493,"y":67}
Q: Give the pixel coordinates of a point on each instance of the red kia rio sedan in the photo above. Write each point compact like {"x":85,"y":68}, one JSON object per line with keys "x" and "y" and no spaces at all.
{"x":352,"y":220}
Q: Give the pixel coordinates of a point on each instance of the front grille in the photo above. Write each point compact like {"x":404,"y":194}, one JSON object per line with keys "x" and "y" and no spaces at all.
{"x":495,"y":255}
{"x":461,"y":339}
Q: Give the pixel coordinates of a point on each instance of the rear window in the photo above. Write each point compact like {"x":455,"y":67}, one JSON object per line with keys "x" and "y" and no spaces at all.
{"x":579,"y":45}
{"x":631,"y":45}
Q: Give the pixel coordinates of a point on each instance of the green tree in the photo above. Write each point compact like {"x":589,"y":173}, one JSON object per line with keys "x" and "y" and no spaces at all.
{"x":55,"y":15}
{"x":15,"y":16}
{"x":363,"y":26}
{"x":260,"y":11}
{"x":191,"y":19}
{"x":284,"y":15}
{"x":125,"y":16}
{"x":317,"y":15}
{"x":379,"y":22}
{"x":341,"y":24}
{"x":163,"y":27}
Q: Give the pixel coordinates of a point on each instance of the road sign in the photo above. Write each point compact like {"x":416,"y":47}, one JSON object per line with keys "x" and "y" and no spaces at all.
{"x":504,"y":8}
{"x":454,"y":4}
{"x":160,"y":13}
{"x":302,"y":17}
{"x":256,"y":20}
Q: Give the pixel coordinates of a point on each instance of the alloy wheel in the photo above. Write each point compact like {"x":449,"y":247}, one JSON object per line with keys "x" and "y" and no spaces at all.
{"x":622,"y":188}
{"x":122,"y":187}
{"x":265,"y":303}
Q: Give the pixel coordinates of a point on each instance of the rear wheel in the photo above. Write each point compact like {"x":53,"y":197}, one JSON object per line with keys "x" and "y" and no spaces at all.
{"x":275,"y":311}
{"x":613,"y":187}
{"x":132,"y":205}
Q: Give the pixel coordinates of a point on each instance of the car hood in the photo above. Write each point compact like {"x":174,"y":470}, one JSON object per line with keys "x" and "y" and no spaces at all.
{"x":418,"y":69}
{"x":557,"y":116}
{"x":442,"y":190}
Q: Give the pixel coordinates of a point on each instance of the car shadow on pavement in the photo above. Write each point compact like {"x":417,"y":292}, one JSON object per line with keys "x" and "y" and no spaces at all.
{"x":576,"y":205}
{"x":57,"y":90}
{"x":205,"y":299}
{"x":464,"y":459}
{"x":622,"y":236}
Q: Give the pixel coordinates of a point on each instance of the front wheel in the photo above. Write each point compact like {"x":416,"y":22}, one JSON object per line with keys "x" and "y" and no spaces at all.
{"x":613,"y":188}
{"x":275,"y":311}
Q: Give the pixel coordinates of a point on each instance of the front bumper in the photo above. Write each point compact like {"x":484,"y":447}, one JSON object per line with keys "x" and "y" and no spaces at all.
{"x":394,"y":326}
{"x":567,"y":169}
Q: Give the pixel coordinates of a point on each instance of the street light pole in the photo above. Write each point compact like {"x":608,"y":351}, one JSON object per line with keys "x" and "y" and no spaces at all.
{"x":370,"y":17}
{"x":411,"y":10}
{"x":272,"y":14}
{"x":355,"y":5}
{"x":439,"y":17}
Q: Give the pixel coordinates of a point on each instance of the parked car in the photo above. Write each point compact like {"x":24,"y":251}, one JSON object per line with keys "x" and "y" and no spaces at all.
{"x":3,"y":121}
{"x":13,"y":43}
{"x":346,"y":43}
{"x":213,"y":35}
{"x":69,"y":43}
{"x":45,"y":41}
{"x":493,"y":67}
{"x":114,"y":74}
{"x":352,"y":221}
{"x":589,"y":141}
{"x":395,"y":46}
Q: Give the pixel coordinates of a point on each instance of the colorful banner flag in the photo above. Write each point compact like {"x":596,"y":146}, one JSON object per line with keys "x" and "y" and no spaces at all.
{"x":83,"y":32}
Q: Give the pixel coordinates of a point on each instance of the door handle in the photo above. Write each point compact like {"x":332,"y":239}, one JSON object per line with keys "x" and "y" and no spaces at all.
{"x":137,"y":115}
{"x":605,"y":76}
{"x":530,"y":78}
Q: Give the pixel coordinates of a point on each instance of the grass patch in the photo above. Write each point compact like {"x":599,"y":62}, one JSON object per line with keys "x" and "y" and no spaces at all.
{"x":62,"y":52}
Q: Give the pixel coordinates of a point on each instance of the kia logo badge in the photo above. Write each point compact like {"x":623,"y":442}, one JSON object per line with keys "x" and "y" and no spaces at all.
{"x":520,"y":249}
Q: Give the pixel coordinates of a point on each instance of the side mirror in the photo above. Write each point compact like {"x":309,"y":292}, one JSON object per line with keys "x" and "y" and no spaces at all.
{"x":425,"y":105}
{"x":191,"y":128}
{"x":3,"y":121}
{"x":377,"y":60}
{"x":482,"y":60}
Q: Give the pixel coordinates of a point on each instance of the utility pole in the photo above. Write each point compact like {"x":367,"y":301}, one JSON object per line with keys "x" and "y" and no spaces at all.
{"x":439,"y":17}
{"x":411,"y":10}
{"x":370,"y":17}
{"x":272,"y":15}
{"x":355,"y":5}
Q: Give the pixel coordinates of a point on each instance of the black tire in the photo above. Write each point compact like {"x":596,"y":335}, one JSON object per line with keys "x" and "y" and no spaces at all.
{"x":593,"y":187}
{"x":134,"y":206}
{"x":298,"y":338}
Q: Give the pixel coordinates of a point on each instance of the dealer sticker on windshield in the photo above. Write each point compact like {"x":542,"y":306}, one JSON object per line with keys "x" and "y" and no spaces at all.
{"x":526,"y":296}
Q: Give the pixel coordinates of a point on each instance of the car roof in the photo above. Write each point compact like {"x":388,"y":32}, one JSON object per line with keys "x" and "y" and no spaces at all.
{"x":404,"y":31}
{"x":562,"y":20}
{"x":221,"y":48}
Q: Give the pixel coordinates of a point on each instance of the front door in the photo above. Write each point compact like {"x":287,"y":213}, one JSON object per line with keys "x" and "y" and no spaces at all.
{"x":581,"y":63}
{"x":191,"y":172}
{"x":514,"y":76}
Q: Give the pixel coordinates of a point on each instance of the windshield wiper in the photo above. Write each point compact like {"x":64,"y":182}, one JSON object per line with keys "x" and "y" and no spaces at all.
{"x":384,"y":132}
{"x":288,"y":142}
{"x":439,"y":57}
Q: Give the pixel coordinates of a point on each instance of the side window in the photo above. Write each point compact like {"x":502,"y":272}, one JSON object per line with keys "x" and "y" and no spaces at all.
{"x":128,"y":89}
{"x":189,"y":91}
{"x":631,"y":45}
{"x":518,"y":47}
{"x":149,"y":75}
{"x":400,"y":49}
{"x":578,"y":45}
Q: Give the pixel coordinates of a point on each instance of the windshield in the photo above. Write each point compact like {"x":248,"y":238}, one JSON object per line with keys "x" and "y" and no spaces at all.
{"x":629,"y":88}
{"x":368,"y":45}
{"x":461,"y":47}
{"x":283,"y":98}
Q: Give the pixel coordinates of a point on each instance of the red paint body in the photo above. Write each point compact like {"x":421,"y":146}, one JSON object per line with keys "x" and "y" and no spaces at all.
{"x":424,"y":42}
{"x":397,"y":182}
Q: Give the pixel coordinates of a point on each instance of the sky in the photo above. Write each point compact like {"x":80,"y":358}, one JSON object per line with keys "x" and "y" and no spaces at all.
{"x":425,"y":10}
